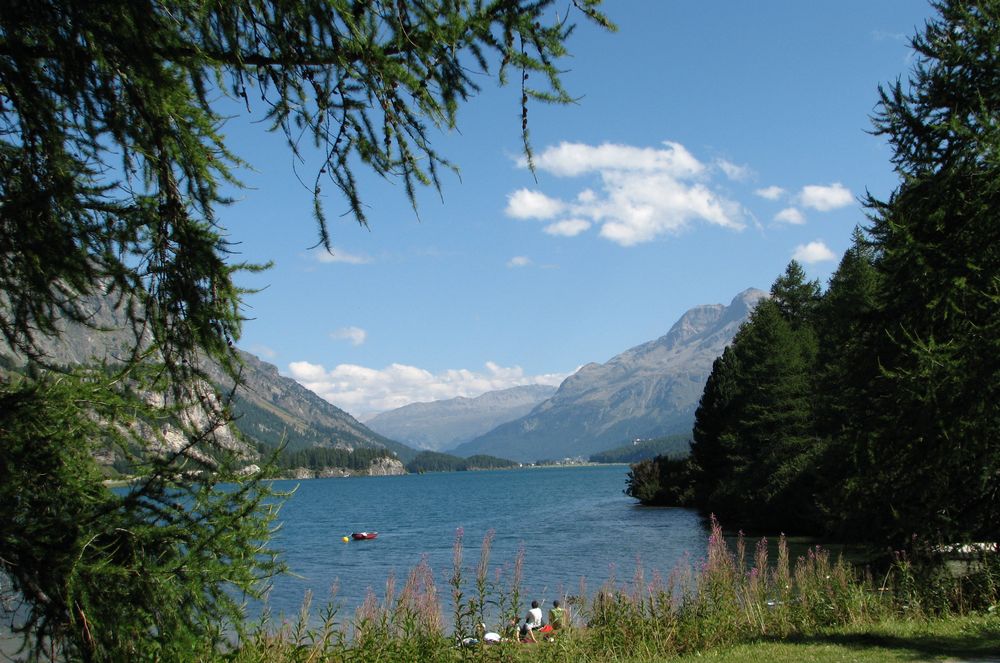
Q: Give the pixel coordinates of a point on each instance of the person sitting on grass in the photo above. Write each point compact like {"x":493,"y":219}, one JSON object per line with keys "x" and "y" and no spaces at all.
{"x":532,"y":621}
{"x":557,"y":616}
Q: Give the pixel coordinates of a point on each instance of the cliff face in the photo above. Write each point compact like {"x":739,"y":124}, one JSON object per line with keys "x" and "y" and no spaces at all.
{"x":647,"y":391}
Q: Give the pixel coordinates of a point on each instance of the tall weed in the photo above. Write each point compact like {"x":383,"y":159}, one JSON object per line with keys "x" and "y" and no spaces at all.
{"x":724,"y":598}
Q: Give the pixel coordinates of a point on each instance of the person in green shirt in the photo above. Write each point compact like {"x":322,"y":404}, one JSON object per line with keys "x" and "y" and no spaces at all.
{"x":557,"y":616}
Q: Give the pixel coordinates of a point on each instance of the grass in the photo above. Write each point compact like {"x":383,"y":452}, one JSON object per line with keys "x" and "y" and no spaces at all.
{"x":733,"y":605}
{"x":944,"y":639}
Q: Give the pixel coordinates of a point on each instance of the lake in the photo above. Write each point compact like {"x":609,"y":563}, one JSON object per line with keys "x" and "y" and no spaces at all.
{"x":573,"y":522}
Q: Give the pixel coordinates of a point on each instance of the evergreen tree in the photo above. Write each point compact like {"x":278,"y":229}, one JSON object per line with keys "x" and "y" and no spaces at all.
{"x":753,"y":458}
{"x":713,"y":419}
{"x":796,"y":297}
{"x":934,"y":461}
{"x":772,"y":443}
{"x":845,"y":328}
{"x":661,"y":481}
{"x":112,"y":159}
{"x":847,"y":369}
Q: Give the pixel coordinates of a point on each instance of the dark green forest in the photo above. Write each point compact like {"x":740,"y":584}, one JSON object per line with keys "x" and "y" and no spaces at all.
{"x":670,"y":446}
{"x":870,"y":410}
{"x":435,"y":461}
{"x":318,"y":458}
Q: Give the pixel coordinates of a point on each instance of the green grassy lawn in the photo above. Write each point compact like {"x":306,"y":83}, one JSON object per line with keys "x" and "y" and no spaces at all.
{"x":955,"y":639}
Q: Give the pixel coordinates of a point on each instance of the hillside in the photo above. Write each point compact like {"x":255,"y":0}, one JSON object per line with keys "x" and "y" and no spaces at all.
{"x":270,"y":408}
{"x":648,"y":391}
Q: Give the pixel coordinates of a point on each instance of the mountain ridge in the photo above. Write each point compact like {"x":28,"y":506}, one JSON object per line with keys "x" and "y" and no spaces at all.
{"x":649,"y":390}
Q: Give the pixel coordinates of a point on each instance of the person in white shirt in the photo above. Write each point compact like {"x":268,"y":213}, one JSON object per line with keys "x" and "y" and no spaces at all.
{"x":532,"y":621}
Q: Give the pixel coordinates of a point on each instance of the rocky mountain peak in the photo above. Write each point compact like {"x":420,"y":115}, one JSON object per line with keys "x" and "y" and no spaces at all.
{"x":650,"y":390}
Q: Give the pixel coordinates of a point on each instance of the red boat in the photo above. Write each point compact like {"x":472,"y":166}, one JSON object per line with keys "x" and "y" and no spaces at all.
{"x":361,"y":536}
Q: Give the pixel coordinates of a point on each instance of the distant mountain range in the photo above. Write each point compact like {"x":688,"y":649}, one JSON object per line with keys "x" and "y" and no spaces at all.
{"x":443,"y":425}
{"x":648,"y":391}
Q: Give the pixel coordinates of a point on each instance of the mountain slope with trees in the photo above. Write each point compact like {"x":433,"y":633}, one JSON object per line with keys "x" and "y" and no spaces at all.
{"x":273,"y":410}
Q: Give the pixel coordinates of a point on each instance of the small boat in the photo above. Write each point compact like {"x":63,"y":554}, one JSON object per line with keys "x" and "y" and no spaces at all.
{"x":361,"y":536}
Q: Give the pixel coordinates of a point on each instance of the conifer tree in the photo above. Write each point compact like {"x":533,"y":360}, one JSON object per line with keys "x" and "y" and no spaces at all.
{"x":112,"y":164}
{"x":754,"y":450}
{"x":934,"y":458}
{"x":796,"y":297}
{"x":714,"y":418}
{"x":846,"y":371}
{"x":773,"y":444}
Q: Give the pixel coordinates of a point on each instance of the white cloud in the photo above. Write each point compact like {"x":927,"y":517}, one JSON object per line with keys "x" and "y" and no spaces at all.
{"x":303,"y":370}
{"x":790,"y":215}
{"x":770,"y":192}
{"x":365,"y":391}
{"x":813,"y":252}
{"x":527,"y":204}
{"x":733,"y":171}
{"x":356,"y":335}
{"x":568,"y":227}
{"x":825,"y":198}
{"x":339,"y":255}
{"x":575,"y":159}
{"x":645,"y":193}
{"x":519,"y":261}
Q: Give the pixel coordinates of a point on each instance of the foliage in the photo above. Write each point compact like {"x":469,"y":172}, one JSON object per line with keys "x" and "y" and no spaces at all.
{"x":671,"y":445}
{"x":487,"y":462}
{"x":754,"y":447}
{"x":660,"y":481}
{"x":112,"y":166}
{"x":435,"y":461}
{"x":104,"y":573}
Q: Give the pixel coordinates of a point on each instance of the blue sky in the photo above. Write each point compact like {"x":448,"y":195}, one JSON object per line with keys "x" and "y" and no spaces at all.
{"x":713,"y":142}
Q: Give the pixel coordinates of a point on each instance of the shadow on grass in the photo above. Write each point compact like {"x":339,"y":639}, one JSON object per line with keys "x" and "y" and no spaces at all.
{"x":977,"y":641}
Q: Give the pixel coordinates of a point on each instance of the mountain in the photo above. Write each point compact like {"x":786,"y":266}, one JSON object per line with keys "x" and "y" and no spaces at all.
{"x":445,"y":424}
{"x":271,"y":409}
{"x":648,"y":391}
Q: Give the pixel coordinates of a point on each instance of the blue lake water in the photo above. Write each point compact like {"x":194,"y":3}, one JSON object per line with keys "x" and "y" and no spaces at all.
{"x":574,"y":524}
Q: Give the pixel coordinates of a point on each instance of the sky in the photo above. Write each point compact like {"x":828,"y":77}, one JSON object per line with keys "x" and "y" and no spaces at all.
{"x":712,"y":143}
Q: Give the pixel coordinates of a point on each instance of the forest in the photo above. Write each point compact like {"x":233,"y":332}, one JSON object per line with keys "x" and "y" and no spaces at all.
{"x":434,"y":461}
